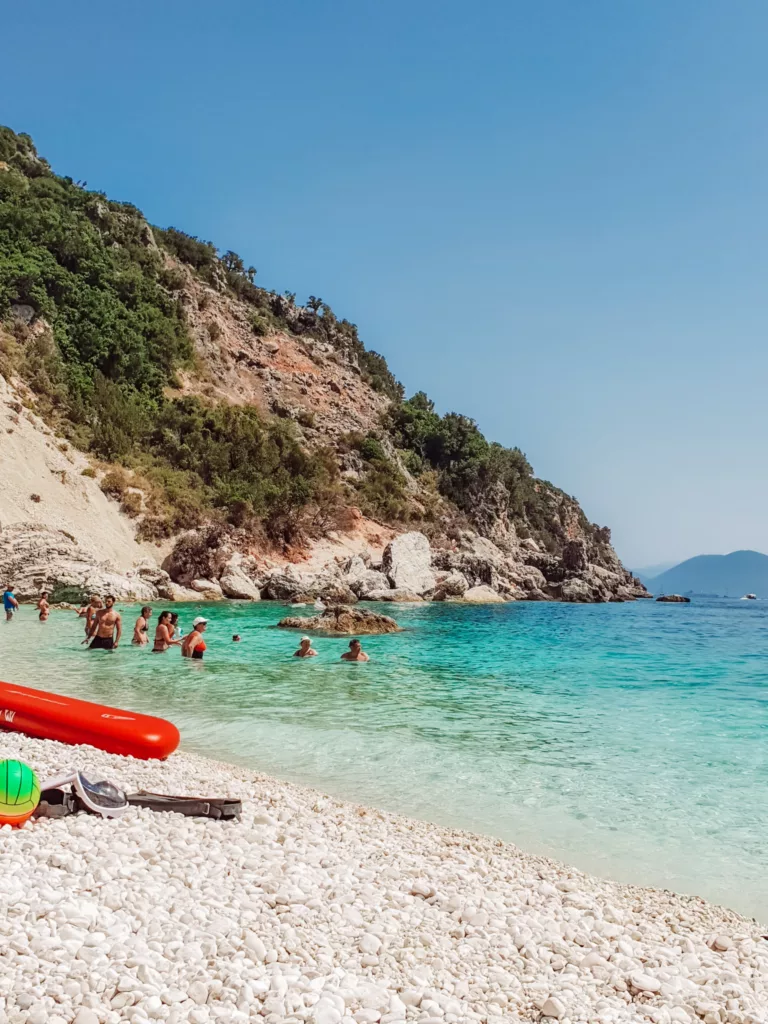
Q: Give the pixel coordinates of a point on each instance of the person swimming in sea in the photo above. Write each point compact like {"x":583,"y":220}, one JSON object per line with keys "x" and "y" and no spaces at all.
{"x":236,"y":638}
{"x":10,"y":604}
{"x":305,"y":649}
{"x":141,"y":628}
{"x":355,"y":652}
{"x":43,"y":606}
{"x":106,"y":627}
{"x":164,"y":634}
{"x":193,"y":645}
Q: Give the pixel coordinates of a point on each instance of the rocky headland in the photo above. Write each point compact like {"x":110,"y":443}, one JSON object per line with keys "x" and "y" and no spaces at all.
{"x":239,"y":436}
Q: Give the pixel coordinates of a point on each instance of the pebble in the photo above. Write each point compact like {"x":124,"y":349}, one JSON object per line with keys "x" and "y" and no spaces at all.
{"x":85,"y":1016}
{"x":645,"y":983}
{"x":312,"y":911}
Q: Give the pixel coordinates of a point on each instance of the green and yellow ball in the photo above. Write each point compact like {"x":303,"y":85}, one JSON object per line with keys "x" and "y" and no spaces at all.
{"x":19,"y":792}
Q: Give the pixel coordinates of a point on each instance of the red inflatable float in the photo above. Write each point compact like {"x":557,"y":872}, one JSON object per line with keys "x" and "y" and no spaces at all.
{"x":50,"y":716}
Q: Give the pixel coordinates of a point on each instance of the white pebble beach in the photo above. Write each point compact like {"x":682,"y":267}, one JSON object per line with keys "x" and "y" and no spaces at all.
{"x":312,"y":909}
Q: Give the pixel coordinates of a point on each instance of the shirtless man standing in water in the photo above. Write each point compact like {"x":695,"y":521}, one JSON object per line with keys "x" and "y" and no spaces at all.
{"x":106,"y":628}
{"x":43,"y":606}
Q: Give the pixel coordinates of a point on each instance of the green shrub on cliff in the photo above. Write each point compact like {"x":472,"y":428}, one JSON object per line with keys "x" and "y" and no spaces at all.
{"x":97,"y":273}
{"x":472,"y":472}
{"x":91,"y":268}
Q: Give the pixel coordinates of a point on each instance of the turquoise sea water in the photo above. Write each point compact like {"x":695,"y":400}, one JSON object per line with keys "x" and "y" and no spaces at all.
{"x":630,"y":740}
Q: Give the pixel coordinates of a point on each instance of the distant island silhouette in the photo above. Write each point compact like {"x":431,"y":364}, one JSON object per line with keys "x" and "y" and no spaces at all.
{"x":733,"y":575}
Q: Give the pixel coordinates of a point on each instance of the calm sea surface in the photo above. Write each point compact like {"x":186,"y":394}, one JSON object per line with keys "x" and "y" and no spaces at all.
{"x":630,"y":740}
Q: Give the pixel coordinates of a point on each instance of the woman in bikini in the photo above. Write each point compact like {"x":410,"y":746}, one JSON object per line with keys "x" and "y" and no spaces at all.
{"x":193,"y":645}
{"x":43,"y":606}
{"x":141,"y":628}
{"x":164,"y":634}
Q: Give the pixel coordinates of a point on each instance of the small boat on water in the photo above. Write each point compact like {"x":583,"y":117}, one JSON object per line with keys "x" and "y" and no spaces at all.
{"x":749,"y":597}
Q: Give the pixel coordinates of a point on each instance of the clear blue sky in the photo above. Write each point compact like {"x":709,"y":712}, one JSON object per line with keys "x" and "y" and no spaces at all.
{"x":550,"y":216}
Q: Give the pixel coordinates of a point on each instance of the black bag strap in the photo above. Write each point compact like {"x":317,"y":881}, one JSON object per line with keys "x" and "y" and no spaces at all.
{"x":218,"y":808}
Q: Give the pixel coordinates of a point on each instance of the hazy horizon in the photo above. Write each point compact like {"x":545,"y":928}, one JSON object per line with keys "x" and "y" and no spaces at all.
{"x":552,"y":219}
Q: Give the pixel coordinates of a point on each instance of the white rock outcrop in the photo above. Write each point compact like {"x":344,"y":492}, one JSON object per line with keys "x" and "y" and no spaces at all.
{"x":407,"y":563}
{"x":236,"y":582}
{"x":34,"y":558}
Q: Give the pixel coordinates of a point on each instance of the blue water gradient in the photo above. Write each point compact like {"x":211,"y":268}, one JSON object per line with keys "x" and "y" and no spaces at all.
{"x":629,"y":740}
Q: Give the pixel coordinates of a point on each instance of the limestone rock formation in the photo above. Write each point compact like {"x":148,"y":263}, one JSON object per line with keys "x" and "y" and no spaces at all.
{"x":362,"y":579}
{"x":34,"y":558}
{"x":344,"y":621}
{"x":407,"y":563}
{"x":236,"y":582}
{"x":211,"y":591}
{"x":450,"y":584}
{"x":576,"y":590}
{"x":674,"y":599}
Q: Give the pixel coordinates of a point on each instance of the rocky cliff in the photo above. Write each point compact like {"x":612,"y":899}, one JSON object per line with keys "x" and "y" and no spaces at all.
{"x":252,"y":444}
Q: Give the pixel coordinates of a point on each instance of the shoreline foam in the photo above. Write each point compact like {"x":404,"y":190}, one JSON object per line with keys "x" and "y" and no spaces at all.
{"x":315,"y":909}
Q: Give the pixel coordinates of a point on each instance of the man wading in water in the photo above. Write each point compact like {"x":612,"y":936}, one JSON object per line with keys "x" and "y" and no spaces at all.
{"x":355,"y":652}
{"x":106,"y":623}
{"x":10,"y":604}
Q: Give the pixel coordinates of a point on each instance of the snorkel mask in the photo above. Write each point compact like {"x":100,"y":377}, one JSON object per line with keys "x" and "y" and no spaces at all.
{"x":101,"y":797}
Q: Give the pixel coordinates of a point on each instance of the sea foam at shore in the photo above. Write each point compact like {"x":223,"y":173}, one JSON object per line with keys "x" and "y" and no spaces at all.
{"x":310,"y":909}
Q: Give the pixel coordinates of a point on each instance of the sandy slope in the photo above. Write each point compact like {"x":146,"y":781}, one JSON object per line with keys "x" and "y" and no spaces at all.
{"x":34,"y":461}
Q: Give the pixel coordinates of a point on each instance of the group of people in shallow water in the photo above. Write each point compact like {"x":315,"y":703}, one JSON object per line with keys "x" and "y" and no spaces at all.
{"x":104,"y":628}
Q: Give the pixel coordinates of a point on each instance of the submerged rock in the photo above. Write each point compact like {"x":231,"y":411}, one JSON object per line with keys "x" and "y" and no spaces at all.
{"x":343,"y":620}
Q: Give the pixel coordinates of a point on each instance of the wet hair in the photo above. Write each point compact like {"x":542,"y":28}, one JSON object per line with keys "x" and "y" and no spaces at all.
{"x":146,"y":610}
{"x":163,"y":615}
{"x":235,"y":636}
{"x":44,"y":594}
{"x":174,"y":618}
{"x":353,"y":642}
